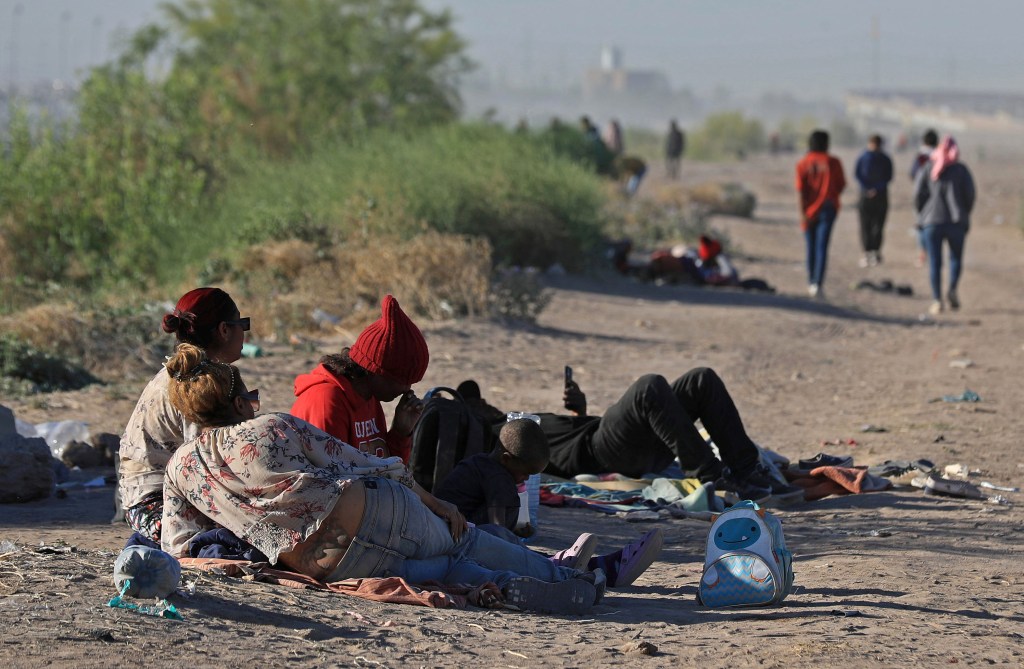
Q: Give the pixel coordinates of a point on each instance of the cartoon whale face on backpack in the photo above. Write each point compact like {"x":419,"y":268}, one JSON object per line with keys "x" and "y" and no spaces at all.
{"x":737,"y":533}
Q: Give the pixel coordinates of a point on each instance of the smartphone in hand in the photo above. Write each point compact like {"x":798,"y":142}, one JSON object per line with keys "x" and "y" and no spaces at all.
{"x":568,"y":375}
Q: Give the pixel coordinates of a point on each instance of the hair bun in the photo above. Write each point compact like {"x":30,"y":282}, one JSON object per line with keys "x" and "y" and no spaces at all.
{"x":170,"y":323}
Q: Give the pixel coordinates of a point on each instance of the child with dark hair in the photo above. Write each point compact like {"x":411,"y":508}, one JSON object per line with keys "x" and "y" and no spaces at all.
{"x":204,"y":317}
{"x":484,"y":488}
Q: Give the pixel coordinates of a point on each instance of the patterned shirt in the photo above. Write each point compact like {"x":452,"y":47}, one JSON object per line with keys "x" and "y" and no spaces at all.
{"x":271,"y":481}
{"x":155,"y":430}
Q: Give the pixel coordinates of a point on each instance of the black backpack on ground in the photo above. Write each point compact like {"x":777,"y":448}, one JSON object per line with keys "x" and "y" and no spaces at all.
{"x":448,"y":431}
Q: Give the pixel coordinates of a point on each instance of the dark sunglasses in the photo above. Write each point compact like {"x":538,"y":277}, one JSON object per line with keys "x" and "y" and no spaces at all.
{"x":241,"y":322}
{"x":252,"y":397}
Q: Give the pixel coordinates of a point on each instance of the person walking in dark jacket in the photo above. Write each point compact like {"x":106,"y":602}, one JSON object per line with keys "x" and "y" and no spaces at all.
{"x":944,"y":196}
{"x":675,"y":143}
{"x":873,"y":172}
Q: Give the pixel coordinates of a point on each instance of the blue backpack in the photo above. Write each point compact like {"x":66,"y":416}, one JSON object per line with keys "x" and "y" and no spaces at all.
{"x":746,"y":562}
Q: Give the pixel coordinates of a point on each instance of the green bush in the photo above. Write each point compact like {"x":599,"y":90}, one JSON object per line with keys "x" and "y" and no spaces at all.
{"x":25,"y":369}
{"x":533,"y":206}
{"x":726,"y":136}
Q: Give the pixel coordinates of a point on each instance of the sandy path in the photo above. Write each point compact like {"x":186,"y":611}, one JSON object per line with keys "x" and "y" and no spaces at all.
{"x":887,"y":579}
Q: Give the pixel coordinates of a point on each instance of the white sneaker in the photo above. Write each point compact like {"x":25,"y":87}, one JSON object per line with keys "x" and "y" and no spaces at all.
{"x":936,"y":308}
{"x":864,"y":262}
{"x":813,"y":290}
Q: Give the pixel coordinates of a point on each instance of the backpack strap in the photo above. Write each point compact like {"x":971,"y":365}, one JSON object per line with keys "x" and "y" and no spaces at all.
{"x":447,"y":445}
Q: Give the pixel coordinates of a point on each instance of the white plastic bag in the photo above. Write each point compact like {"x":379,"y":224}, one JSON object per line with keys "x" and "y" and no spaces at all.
{"x":59,"y":434}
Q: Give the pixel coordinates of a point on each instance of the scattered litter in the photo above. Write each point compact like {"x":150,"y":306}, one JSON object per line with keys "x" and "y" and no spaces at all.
{"x":252,"y":350}
{"x":63,"y":549}
{"x":873,"y":428}
{"x":642,"y":516}
{"x":639,"y":647}
{"x":999,"y":499}
{"x":936,"y":485}
{"x":962,"y":363}
{"x":58,"y":434}
{"x":957,"y":471}
{"x":164,"y":609}
{"x":983,"y":484}
{"x":8,"y":547}
{"x":324,"y":319}
{"x":846,"y":613}
{"x":98,"y":482}
{"x":840,"y":442}
{"x":965,"y":396}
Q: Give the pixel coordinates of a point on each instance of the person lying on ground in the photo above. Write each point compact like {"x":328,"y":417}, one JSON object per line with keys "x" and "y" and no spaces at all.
{"x":209,"y":319}
{"x":484,"y":487}
{"x":705,"y":265}
{"x":651,"y":425}
{"x":343,"y":394}
{"x":327,"y":510}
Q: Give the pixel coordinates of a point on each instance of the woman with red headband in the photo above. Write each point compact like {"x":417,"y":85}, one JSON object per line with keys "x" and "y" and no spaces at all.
{"x":209,"y":319}
{"x":342,"y":395}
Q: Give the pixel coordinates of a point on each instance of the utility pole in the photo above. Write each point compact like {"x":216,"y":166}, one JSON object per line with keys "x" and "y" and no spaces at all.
{"x":875,"y":39}
{"x":15,"y":16}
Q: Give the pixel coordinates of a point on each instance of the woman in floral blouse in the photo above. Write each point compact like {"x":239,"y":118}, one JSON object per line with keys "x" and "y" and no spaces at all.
{"x":325,"y":509}
{"x":205,"y":317}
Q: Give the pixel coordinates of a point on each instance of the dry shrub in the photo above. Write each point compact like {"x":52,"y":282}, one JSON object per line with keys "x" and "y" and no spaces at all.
{"x":109,"y":343}
{"x":728,"y":198}
{"x":287,"y":260}
{"x":291,"y":287}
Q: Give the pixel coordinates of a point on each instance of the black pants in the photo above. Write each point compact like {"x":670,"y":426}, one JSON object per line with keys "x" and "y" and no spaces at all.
{"x":873,"y":211}
{"x":653,"y":423}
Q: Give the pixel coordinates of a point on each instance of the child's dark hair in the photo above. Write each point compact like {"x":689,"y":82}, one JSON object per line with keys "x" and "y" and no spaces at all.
{"x":524,"y":440}
{"x":930,"y":138}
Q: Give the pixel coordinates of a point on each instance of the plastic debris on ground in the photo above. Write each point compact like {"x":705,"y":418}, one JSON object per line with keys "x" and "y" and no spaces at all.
{"x":965,"y":396}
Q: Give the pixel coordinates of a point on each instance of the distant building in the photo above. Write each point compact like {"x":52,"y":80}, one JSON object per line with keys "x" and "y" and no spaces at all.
{"x":612,"y":79}
{"x":951,"y":111}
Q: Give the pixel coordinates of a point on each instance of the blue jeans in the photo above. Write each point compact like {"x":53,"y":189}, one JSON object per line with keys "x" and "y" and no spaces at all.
{"x":818,"y":234}
{"x":933,"y":235}
{"x":399,"y":536}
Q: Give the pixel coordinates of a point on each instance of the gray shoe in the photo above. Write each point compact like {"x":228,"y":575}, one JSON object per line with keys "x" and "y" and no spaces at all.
{"x":573,"y":596}
{"x":953,"y":299}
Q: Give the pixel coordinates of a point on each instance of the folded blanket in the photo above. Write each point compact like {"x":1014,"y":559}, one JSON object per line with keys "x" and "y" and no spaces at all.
{"x":393,"y":589}
{"x":825,"y":481}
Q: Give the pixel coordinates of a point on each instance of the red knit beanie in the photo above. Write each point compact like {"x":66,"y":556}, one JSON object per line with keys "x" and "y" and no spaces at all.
{"x":392,"y":346}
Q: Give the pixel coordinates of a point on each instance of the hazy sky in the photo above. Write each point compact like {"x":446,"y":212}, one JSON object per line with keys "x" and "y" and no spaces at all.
{"x":811,"y":48}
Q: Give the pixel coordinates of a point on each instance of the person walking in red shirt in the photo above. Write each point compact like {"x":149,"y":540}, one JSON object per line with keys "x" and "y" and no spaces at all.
{"x":819,"y":181}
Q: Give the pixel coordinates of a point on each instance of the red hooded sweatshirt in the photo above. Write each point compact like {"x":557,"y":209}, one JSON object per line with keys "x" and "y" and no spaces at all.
{"x":332,"y":404}
{"x":819,"y":179}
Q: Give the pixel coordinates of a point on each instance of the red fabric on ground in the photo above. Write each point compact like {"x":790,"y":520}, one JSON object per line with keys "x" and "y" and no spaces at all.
{"x":824,"y":481}
{"x":393,"y":589}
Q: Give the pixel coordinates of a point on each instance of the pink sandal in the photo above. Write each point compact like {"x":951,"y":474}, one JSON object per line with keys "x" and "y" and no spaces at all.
{"x":578,"y":555}
{"x":637,"y":556}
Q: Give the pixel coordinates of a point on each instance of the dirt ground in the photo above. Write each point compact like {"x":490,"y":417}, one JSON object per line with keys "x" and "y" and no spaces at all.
{"x":895,"y":578}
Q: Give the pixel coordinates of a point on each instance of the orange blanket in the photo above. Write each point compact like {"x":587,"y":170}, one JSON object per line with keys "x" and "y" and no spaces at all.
{"x":393,"y":589}
{"x":825,"y":481}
